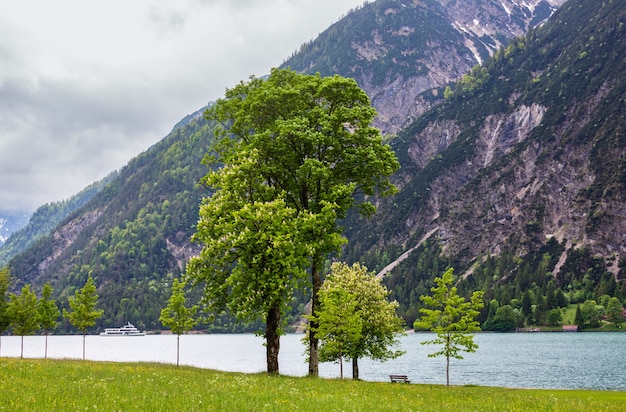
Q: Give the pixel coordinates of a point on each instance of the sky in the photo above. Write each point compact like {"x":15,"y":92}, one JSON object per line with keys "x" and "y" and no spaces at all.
{"x":86,"y":85}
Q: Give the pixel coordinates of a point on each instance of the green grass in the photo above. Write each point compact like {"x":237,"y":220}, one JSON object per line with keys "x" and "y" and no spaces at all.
{"x":69,"y":385}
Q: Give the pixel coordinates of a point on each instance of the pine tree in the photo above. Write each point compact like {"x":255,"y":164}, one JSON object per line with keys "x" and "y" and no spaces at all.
{"x":578,"y":318}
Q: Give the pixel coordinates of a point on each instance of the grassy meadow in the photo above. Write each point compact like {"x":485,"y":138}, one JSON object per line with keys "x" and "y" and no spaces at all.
{"x":70,"y":385}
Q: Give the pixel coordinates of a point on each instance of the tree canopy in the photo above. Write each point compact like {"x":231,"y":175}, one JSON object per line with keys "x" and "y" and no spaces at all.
{"x":47,"y":313}
{"x":355,"y":320}
{"x":452,"y":318}
{"x":314,"y":149}
{"x":22,"y":310}
{"x":83,"y":313}
{"x":177,"y":316}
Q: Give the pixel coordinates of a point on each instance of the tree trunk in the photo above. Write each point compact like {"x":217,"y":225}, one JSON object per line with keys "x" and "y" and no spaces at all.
{"x":316,"y":281}
{"x":448,"y":360}
{"x":45,"y":353}
{"x":177,"y":349}
{"x":83,"y":346}
{"x":355,"y":368}
{"x":341,"y":366}
{"x":22,"y":348}
{"x":272,"y":338}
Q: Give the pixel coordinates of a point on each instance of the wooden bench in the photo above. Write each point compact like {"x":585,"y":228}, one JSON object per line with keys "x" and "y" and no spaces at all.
{"x":399,"y":378}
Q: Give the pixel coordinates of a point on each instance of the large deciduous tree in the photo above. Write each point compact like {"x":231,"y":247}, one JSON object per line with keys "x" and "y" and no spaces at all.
{"x":253,"y":256}
{"x":47,"y":313}
{"x":83,"y":313}
{"x":22,"y":310}
{"x":177,"y":316}
{"x":355,"y":319}
{"x":452,"y":318}
{"x":315,"y":148}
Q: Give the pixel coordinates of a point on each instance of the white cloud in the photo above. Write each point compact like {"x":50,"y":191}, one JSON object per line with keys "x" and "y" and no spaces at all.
{"x":87,"y":85}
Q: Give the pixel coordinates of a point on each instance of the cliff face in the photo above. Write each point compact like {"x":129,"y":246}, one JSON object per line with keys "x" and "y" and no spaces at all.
{"x":402,"y":53}
{"x":527,"y":150}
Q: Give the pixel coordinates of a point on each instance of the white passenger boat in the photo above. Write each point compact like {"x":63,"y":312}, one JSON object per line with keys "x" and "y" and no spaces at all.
{"x":126,"y":330}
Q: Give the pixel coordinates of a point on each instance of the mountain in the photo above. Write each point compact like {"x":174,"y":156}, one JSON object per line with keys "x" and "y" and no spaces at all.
{"x":11,"y":222}
{"x":518,"y":178}
{"x":133,"y":235}
{"x":45,"y":220}
{"x":514,"y":174}
{"x":403,"y":52}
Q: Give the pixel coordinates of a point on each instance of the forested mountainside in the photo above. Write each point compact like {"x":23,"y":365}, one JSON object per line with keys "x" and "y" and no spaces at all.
{"x":45,"y":219}
{"x":133,"y":236}
{"x":519,"y":178}
{"x":403,"y":52}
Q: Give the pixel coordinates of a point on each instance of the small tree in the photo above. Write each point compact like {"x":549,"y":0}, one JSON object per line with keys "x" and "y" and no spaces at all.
{"x":83,"y":314}
{"x":554,"y":317}
{"x":452,"y":318}
{"x":177,"y":316}
{"x":615,"y":312}
{"x":22,"y":310}
{"x":590,"y":314}
{"x":5,"y":321}
{"x":47,"y":312}
{"x":355,"y":320}
{"x":578,"y":318}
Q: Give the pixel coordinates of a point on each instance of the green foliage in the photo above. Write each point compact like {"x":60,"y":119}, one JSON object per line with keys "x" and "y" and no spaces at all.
{"x":615,"y":312}
{"x":355,"y":320}
{"x":452,"y":318}
{"x":22,"y":311}
{"x":47,"y":313}
{"x":554,"y":317}
{"x":591,"y":314}
{"x":83,"y":313}
{"x":311,"y":149}
{"x":47,"y":310}
{"x":177,"y":316}
{"x":5,"y":281}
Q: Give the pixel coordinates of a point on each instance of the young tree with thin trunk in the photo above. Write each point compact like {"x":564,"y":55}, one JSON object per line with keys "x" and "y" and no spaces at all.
{"x":452,"y":318}
{"x":22,"y":310}
{"x":5,"y":321}
{"x":83,"y":313}
{"x":177,"y":316}
{"x":355,"y":320}
{"x":48,"y":313}
{"x":317,"y":150}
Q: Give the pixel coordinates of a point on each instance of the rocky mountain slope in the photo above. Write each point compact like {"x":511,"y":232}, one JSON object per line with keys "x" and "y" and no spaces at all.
{"x":525,"y":160}
{"x":403,"y":52}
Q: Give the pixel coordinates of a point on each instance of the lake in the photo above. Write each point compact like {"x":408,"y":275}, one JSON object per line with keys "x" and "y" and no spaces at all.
{"x":521,"y":360}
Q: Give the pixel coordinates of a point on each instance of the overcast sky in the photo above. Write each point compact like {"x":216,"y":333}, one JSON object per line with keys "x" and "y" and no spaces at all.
{"x":87,"y":85}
